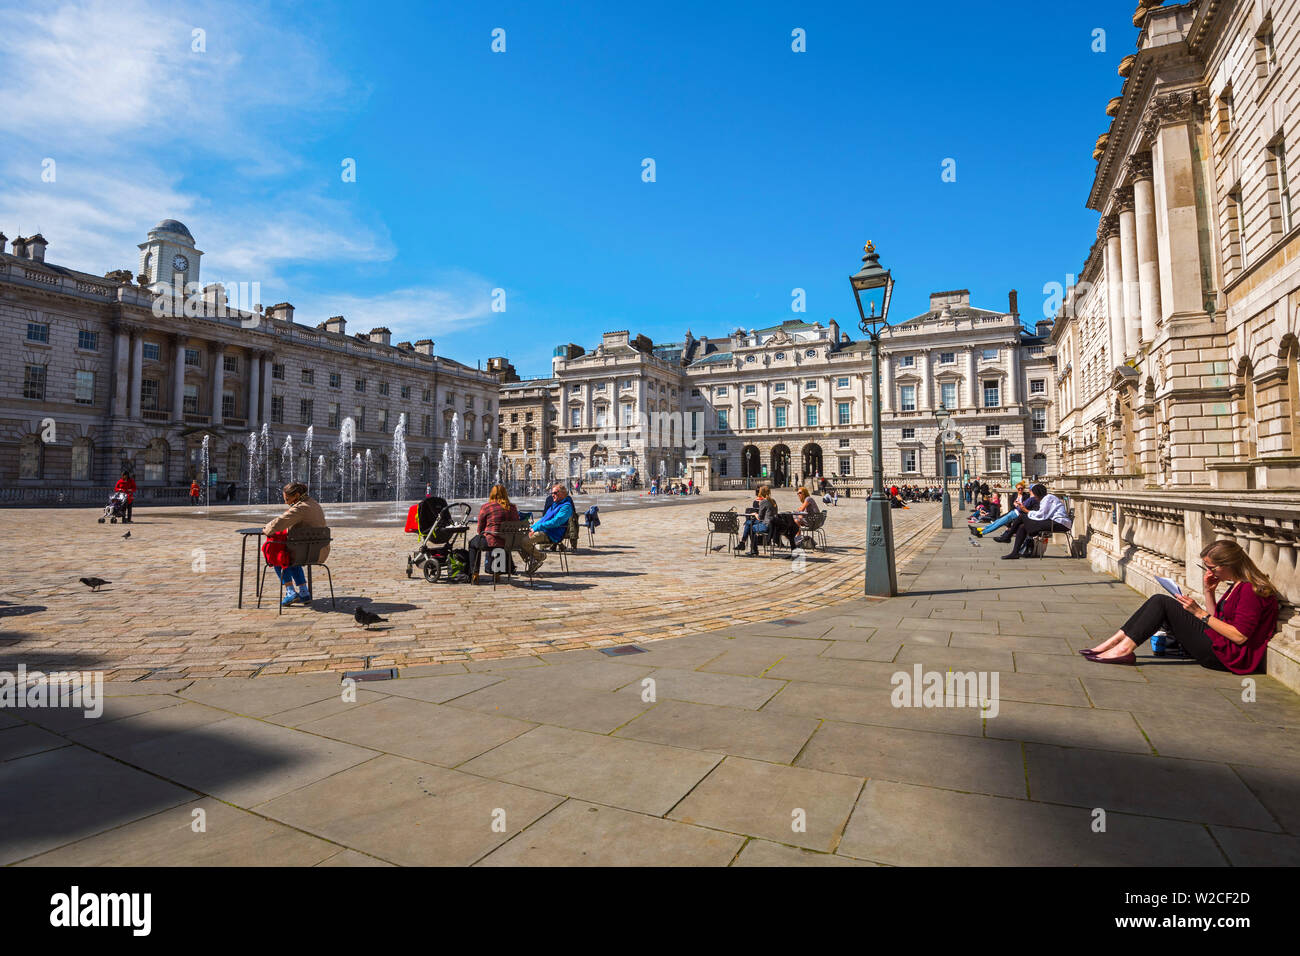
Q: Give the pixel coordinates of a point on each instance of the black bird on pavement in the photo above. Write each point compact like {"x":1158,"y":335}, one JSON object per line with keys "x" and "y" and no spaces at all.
{"x":94,"y":583}
{"x":127,"y":535}
{"x":366,"y":618}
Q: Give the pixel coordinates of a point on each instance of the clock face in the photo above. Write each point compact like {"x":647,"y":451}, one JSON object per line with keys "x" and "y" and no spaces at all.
{"x":180,"y":263}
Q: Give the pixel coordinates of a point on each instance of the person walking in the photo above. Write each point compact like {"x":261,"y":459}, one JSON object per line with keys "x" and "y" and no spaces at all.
{"x":194,"y":491}
{"x":126,"y":485}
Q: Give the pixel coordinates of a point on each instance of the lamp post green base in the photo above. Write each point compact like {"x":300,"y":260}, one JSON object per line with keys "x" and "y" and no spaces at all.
{"x":881,"y":579}
{"x":947,"y":508}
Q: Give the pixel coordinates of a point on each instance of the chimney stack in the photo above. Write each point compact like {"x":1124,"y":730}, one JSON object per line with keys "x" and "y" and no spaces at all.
{"x":281,"y":311}
{"x":1013,"y":306}
{"x":20,"y":247}
{"x":381,"y":335}
{"x":335,"y":323}
{"x":3,"y":240}
{"x":36,"y":248}
{"x":424,"y":346}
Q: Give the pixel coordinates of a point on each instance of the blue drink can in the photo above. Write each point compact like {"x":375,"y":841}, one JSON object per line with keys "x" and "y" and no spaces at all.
{"x":1158,"y":643}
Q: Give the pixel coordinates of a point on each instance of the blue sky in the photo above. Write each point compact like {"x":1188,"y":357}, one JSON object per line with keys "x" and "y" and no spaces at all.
{"x":522,"y":170}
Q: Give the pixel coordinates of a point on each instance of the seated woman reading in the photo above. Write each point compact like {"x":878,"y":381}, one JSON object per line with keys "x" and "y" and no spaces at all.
{"x":303,"y":512}
{"x":1233,"y":636}
{"x":759,"y":522}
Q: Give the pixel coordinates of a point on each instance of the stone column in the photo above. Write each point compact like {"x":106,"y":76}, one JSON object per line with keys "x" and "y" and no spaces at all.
{"x":886,"y":382}
{"x":1013,"y":373}
{"x":267,"y":361}
{"x":1170,"y":123}
{"x":178,"y":377}
{"x":217,"y":351}
{"x":1148,"y":266}
{"x":255,"y":392}
{"x":137,"y":370}
{"x":121,"y":368}
{"x":972,"y":385}
{"x":1114,"y":289}
{"x":923,"y":390}
{"x":1129,"y":272}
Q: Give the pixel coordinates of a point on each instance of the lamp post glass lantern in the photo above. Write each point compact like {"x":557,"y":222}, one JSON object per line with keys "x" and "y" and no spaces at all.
{"x":872,"y":289}
{"x":944,"y":418}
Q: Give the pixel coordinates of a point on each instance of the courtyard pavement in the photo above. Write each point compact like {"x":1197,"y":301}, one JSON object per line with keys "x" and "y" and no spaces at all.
{"x":774,"y":742}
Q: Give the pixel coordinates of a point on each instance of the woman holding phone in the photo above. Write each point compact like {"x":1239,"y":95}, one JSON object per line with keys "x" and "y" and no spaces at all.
{"x":1233,"y":636}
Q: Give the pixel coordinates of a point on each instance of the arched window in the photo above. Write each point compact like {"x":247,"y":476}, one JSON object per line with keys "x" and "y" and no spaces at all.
{"x":31,"y":458}
{"x":155,"y":461}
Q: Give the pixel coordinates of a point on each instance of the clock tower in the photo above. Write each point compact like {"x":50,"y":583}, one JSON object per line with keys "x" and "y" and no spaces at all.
{"x":169,"y":252}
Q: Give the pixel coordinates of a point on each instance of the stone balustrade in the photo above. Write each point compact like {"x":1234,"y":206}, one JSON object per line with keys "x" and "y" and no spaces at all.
{"x":1137,"y":534}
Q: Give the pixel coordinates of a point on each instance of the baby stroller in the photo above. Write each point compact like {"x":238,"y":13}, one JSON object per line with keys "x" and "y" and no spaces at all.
{"x":115,"y":509}
{"x":430,"y":520}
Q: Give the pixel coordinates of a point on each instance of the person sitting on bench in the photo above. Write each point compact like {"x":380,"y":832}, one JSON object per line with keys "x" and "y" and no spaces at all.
{"x":1049,"y":517}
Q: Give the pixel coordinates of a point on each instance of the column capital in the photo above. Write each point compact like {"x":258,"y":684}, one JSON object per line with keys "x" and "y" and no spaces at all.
{"x":132,"y":329}
{"x":178,"y":339}
{"x":1138,"y":167}
{"x":1173,"y":109}
{"x":1108,"y":228}
{"x":1124,"y":201}
{"x":216,"y":348}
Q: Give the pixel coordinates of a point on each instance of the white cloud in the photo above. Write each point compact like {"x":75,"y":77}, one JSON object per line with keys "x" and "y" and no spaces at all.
{"x":454,"y":302}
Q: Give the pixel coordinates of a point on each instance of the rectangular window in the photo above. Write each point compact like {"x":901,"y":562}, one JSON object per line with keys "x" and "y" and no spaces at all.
{"x":406,"y":393}
{"x":469,"y":402}
{"x":359,"y":418}
{"x":810,"y":415}
{"x":778,"y":387}
{"x":309,"y":376}
{"x":1265,"y":51}
{"x":383,"y":388}
{"x":695,"y":393}
{"x":628,"y":412}
{"x":810,"y":385}
{"x":85,"y":388}
{"x":909,"y":433}
{"x":990,"y":355}
{"x":277,"y":409}
{"x":193,"y":359}
{"x":230,"y":363}
{"x":780,"y":416}
{"x":334,"y":415}
{"x":428,"y":395}
{"x":575,"y":418}
{"x":722,"y":468}
{"x":842,"y":382}
{"x":992,"y":431}
{"x":909,"y":460}
{"x":151,"y":351}
{"x":89,"y":341}
{"x":991,"y":393}
{"x":992,"y":459}
{"x":720,"y":391}
{"x":190,"y":400}
{"x":277,"y":371}
{"x":906,"y":361}
{"x":383,"y":420}
{"x":359,"y":385}
{"x":1236,"y":232}
{"x":722,"y":418}
{"x":907,"y":398}
{"x":149,"y":394}
{"x":947,"y":358}
{"x":846,"y":465}
{"x":844,"y":443}
{"x":1282,"y":183}
{"x":1038,"y":418}
{"x":948,"y":394}
{"x":451,"y":398}
{"x":426,"y":427}
{"x":81,"y":461}
{"x":843,"y":410}
{"x":600,"y":387}
{"x":305,"y":411}
{"x":1038,"y":386}
{"x":336,"y":380}
{"x":38,"y":332}
{"x":751,"y":418}
{"x":34,"y":382}
{"x":751,"y":389}
{"x":228,"y":405}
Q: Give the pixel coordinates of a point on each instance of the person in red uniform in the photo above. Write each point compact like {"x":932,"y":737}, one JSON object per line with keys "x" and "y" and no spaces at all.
{"x":194,"y":491}
{"x":1231,"y":633}
{"x":127,"y":484}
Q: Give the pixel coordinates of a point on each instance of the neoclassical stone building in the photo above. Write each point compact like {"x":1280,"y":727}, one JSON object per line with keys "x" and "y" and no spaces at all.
{"x":1177,"y":350}
{"x":528,"y":421}
{"x":792,"y":401}
{"x":113,"y":372}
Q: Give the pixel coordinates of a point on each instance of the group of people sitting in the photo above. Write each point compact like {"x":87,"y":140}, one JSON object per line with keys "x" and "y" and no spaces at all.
{"x":666,"y":487}
{"x":764,"y":519}
{"x":549,"y":529}
{"x":1033,"y":512}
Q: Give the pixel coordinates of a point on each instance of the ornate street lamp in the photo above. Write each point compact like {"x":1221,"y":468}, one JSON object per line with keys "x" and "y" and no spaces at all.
{"x":872,"y":288}
{"x":944,"y":419}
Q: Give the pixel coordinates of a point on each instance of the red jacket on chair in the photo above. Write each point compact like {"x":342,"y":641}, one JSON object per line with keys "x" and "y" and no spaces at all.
{"x":276,"y":549}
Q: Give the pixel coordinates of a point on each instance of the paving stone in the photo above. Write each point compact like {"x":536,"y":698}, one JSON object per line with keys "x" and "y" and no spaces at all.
{"x":955,"y":658}
{"x":726,"y":690}
{"x":1278,"y":789}
{"x":1192,"y":790}
{"x":42,"y":811}
{"x":596,"y":711}
{"x":25,"y":740}
{"x":412,"y":813}
{"x":1074,"y":666}
{"x":883,"y":652}
{"x":765,"y":853}
{"x":1066,"y":727}
{"x":757,"y":734}
{"x":583,"y":834}
{"x":904,"y":825}
{"x":793,"y":805}
{"x":953,"y":761}
{"x":617,"y":772}
{"x":1173,"y":735}
{"x":1254,"y":848}
{"x":437,"y":690}
{"x":435,"y":733}
{"x":1191,"y":702}
{"x":352,"y":858}
{"x":872,"y":706}
{"x":229,"y":837}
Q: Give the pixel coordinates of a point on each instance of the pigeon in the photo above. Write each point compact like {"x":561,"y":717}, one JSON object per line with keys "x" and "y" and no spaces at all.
{"x":366,"y":618}
{"x":94,"y":583}
{"x":127,"y":535}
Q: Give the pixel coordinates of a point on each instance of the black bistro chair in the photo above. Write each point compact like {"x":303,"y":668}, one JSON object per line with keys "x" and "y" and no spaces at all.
{"x":305,"y":546}
{"x":568,"y":544}
{"x":513,"y":533}
{"x":723,"y":522}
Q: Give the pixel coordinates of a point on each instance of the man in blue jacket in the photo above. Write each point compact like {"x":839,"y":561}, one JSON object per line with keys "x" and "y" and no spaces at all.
{"x":552,"y":527}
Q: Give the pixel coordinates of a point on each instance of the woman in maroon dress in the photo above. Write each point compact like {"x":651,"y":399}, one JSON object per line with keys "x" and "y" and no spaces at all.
{"x":1233,"y":636}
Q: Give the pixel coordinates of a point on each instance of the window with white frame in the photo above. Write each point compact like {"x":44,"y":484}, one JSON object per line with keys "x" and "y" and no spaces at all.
{"x":909,"y":459}
{"x":1038,"y":386}
{"x":947,"y":358}
{"x":722,"y":418}
{"x":992,"y":431}
{"x":906,"y":361}
{"x":909,"y":433}
{"x":948,"y":394}
{"x":720,"y":391}
{"x":992,"y":459}
{"x":780,"y":416}
{"x":990,"y":355}
{"x":751,"y":389}
{"x":810,"y":415}
{"x":778,"y":387}
{"x":846,"y":465}
{"x":842,"y":382}
{"x":810,"y":385}
{"x":907,"y":398}
{"x":751,"y":418}
{"x":1284,"y":215}
{"x":1038,"y":418}
{"x":992,"y":393}
{"x":844,"y":411}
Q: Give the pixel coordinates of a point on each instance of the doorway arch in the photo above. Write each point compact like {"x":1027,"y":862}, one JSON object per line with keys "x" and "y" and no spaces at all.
{"x":780,"y":471}
{"x":751,"y":462}
{"x":812,"y":460}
